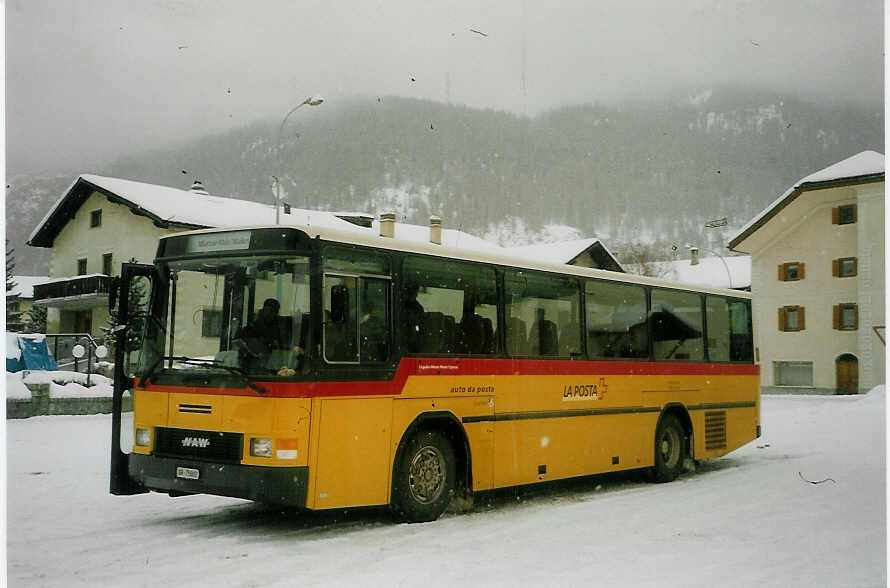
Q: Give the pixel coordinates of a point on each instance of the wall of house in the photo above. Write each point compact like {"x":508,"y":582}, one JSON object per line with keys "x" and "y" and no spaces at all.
{"x":811,"y":238}
{"x":121,"y":233}
{"x":871,"y":285}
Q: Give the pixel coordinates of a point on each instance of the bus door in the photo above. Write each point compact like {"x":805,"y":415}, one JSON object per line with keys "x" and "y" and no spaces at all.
{"x":131,"y":295}
{"x":356,"y":367}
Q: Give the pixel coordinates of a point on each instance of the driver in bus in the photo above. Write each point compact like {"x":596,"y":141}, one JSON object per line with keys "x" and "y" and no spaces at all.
{"x":264,"y":335}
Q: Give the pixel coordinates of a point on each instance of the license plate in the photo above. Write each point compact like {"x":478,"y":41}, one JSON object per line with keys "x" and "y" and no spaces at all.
{"x":188,"y":473}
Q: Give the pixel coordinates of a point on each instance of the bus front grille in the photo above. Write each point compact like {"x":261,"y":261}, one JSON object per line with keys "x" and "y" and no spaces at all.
{"x":201,"y":445}
{"x":715,"y":430}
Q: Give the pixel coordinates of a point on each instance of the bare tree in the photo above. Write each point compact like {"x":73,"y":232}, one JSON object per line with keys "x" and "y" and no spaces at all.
{"x":644,"y":259}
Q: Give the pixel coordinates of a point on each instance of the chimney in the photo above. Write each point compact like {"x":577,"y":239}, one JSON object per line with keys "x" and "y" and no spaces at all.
{"x":435,"y":230}
{"x":388,"y":224}
{"x":198,"y":188}
{"x":693,"y":253}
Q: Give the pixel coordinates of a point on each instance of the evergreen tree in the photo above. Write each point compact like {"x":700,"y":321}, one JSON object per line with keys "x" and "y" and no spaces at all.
{"x":13,"y":314}
{"x":138,"y":305}
{"x":35,"y":320}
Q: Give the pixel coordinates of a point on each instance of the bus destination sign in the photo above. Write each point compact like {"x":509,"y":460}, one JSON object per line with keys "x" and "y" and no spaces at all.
{"x":209,"y":242}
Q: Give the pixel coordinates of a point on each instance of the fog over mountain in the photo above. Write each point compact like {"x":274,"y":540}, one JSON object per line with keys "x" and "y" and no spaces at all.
{"x":651,"y":172}
{"x":92,"y":80}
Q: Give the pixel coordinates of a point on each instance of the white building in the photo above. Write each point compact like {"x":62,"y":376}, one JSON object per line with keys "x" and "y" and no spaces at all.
{"x":817,"y":256}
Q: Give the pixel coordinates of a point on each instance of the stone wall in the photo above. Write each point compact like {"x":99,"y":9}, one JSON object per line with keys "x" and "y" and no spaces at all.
{"x":41,"y":403}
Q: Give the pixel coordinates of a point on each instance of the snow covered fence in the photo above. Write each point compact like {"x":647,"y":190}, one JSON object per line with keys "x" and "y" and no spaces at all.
{"x":58,"y":392}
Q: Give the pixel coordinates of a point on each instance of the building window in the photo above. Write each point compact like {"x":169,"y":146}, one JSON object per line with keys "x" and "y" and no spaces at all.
{"x":82,"y":267}
{"x":793,"y":373}
{"x":844,"y":215}
{"x":845,"y":267}
{"x":95,"y":218}
{"x":791,"y":271}
{"x":107,"y":268}
{"x":846,"y":317}
{"x":791,"y":318}
{"x":211,"y":322}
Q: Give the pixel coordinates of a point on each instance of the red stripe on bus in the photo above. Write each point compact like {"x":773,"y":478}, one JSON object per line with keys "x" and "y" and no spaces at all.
{"x":427,"y":366}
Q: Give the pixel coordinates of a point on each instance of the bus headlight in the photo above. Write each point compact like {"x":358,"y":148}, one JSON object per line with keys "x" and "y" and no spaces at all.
{"x":262,"y":447}
{"x":142,"y":437}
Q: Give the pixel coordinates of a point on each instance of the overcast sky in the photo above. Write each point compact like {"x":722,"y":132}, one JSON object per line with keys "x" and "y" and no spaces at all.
{"x":89,"y":79}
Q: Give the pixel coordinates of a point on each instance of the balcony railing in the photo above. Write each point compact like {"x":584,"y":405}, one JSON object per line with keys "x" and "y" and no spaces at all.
{"x":76,"y":286}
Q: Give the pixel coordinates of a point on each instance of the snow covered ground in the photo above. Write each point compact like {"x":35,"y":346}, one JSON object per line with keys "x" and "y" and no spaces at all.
{"x":751,"y":518}
{"x":62,"y":384}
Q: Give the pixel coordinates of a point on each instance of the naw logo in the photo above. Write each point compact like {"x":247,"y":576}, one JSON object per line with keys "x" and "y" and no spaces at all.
{"x":201,"y":442}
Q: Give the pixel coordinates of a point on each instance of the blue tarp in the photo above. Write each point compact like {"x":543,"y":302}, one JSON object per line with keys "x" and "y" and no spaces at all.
{"x":34,"y":356}
{"x":14,"y":365}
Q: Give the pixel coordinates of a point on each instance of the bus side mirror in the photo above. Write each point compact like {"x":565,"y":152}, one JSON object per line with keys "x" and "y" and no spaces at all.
{"x":339,"y":303}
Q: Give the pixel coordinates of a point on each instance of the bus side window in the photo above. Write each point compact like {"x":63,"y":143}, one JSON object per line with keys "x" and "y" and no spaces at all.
{"x":741,"y":346}
{"x":616,"y":321}
{"x":374,"y":323}
{"x":551,"y":306}
{"x":718,"y":326}
{"x":448,"y":307}
{"x":676,"y":325}
{"x":340,"y":335}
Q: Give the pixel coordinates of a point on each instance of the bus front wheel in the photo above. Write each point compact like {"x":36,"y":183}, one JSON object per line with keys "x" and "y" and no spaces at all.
{"x":423,"y":484}
{"x":670,"y":449}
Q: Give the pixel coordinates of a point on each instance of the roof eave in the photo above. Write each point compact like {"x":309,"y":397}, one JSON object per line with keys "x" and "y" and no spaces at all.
{"x":50,"y":227}
{"x":798,"y":190}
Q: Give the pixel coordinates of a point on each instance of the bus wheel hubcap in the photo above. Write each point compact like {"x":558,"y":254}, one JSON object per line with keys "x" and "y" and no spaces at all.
{"x":670,"y":447}
{"x":426,"y":477}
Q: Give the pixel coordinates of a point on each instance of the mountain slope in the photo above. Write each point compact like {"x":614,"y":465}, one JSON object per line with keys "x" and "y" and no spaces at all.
{"x":646,"y":172}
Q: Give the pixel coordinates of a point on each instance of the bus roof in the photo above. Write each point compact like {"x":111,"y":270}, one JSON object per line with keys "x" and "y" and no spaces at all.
{"x":372,"y":239}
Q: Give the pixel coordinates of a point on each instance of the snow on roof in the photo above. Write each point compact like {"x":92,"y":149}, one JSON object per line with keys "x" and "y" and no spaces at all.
{"x":190,"y":208}
{"x":24,"y":285}
{"x":716,"y":272}
{"x":421,"y":234}
{"x":186,"y":207}
{"x":861,"y":165}
{"x":561,"y":252}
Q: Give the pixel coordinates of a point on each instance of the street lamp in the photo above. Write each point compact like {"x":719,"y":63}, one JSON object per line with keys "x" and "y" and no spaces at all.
{"x":311,"y":101}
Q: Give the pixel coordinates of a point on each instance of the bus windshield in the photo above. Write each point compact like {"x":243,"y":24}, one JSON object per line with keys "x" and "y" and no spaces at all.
{"x":248,"y":315}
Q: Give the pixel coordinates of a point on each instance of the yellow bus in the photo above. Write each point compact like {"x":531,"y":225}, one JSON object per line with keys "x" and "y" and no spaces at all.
{"x":323,"y":368}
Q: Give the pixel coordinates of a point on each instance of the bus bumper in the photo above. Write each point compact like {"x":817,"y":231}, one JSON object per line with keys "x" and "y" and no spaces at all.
{"x":283,"y":486}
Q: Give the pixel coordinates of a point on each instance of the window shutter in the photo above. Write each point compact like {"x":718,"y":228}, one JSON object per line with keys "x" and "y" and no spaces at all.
{"x":855,"y":213}
{"x":801,"y":319}
{"x":836,"y":215}
{"x":835,"y":267}
{"x":781,"y":318}
{"x":836,"y":317}
{"x":800,"y":270}
{"x":856,"y":315}
{"x":781,"y":272}
{"x":855,"y":266}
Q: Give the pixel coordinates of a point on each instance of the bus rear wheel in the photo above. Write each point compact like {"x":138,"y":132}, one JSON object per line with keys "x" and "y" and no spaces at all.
{"x":670,"y":449}
{"x":423,"y":483}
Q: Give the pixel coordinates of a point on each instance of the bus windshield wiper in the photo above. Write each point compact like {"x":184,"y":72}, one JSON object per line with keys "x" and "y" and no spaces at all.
{"x":151,"y":370}
{"x":213,"y":363}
